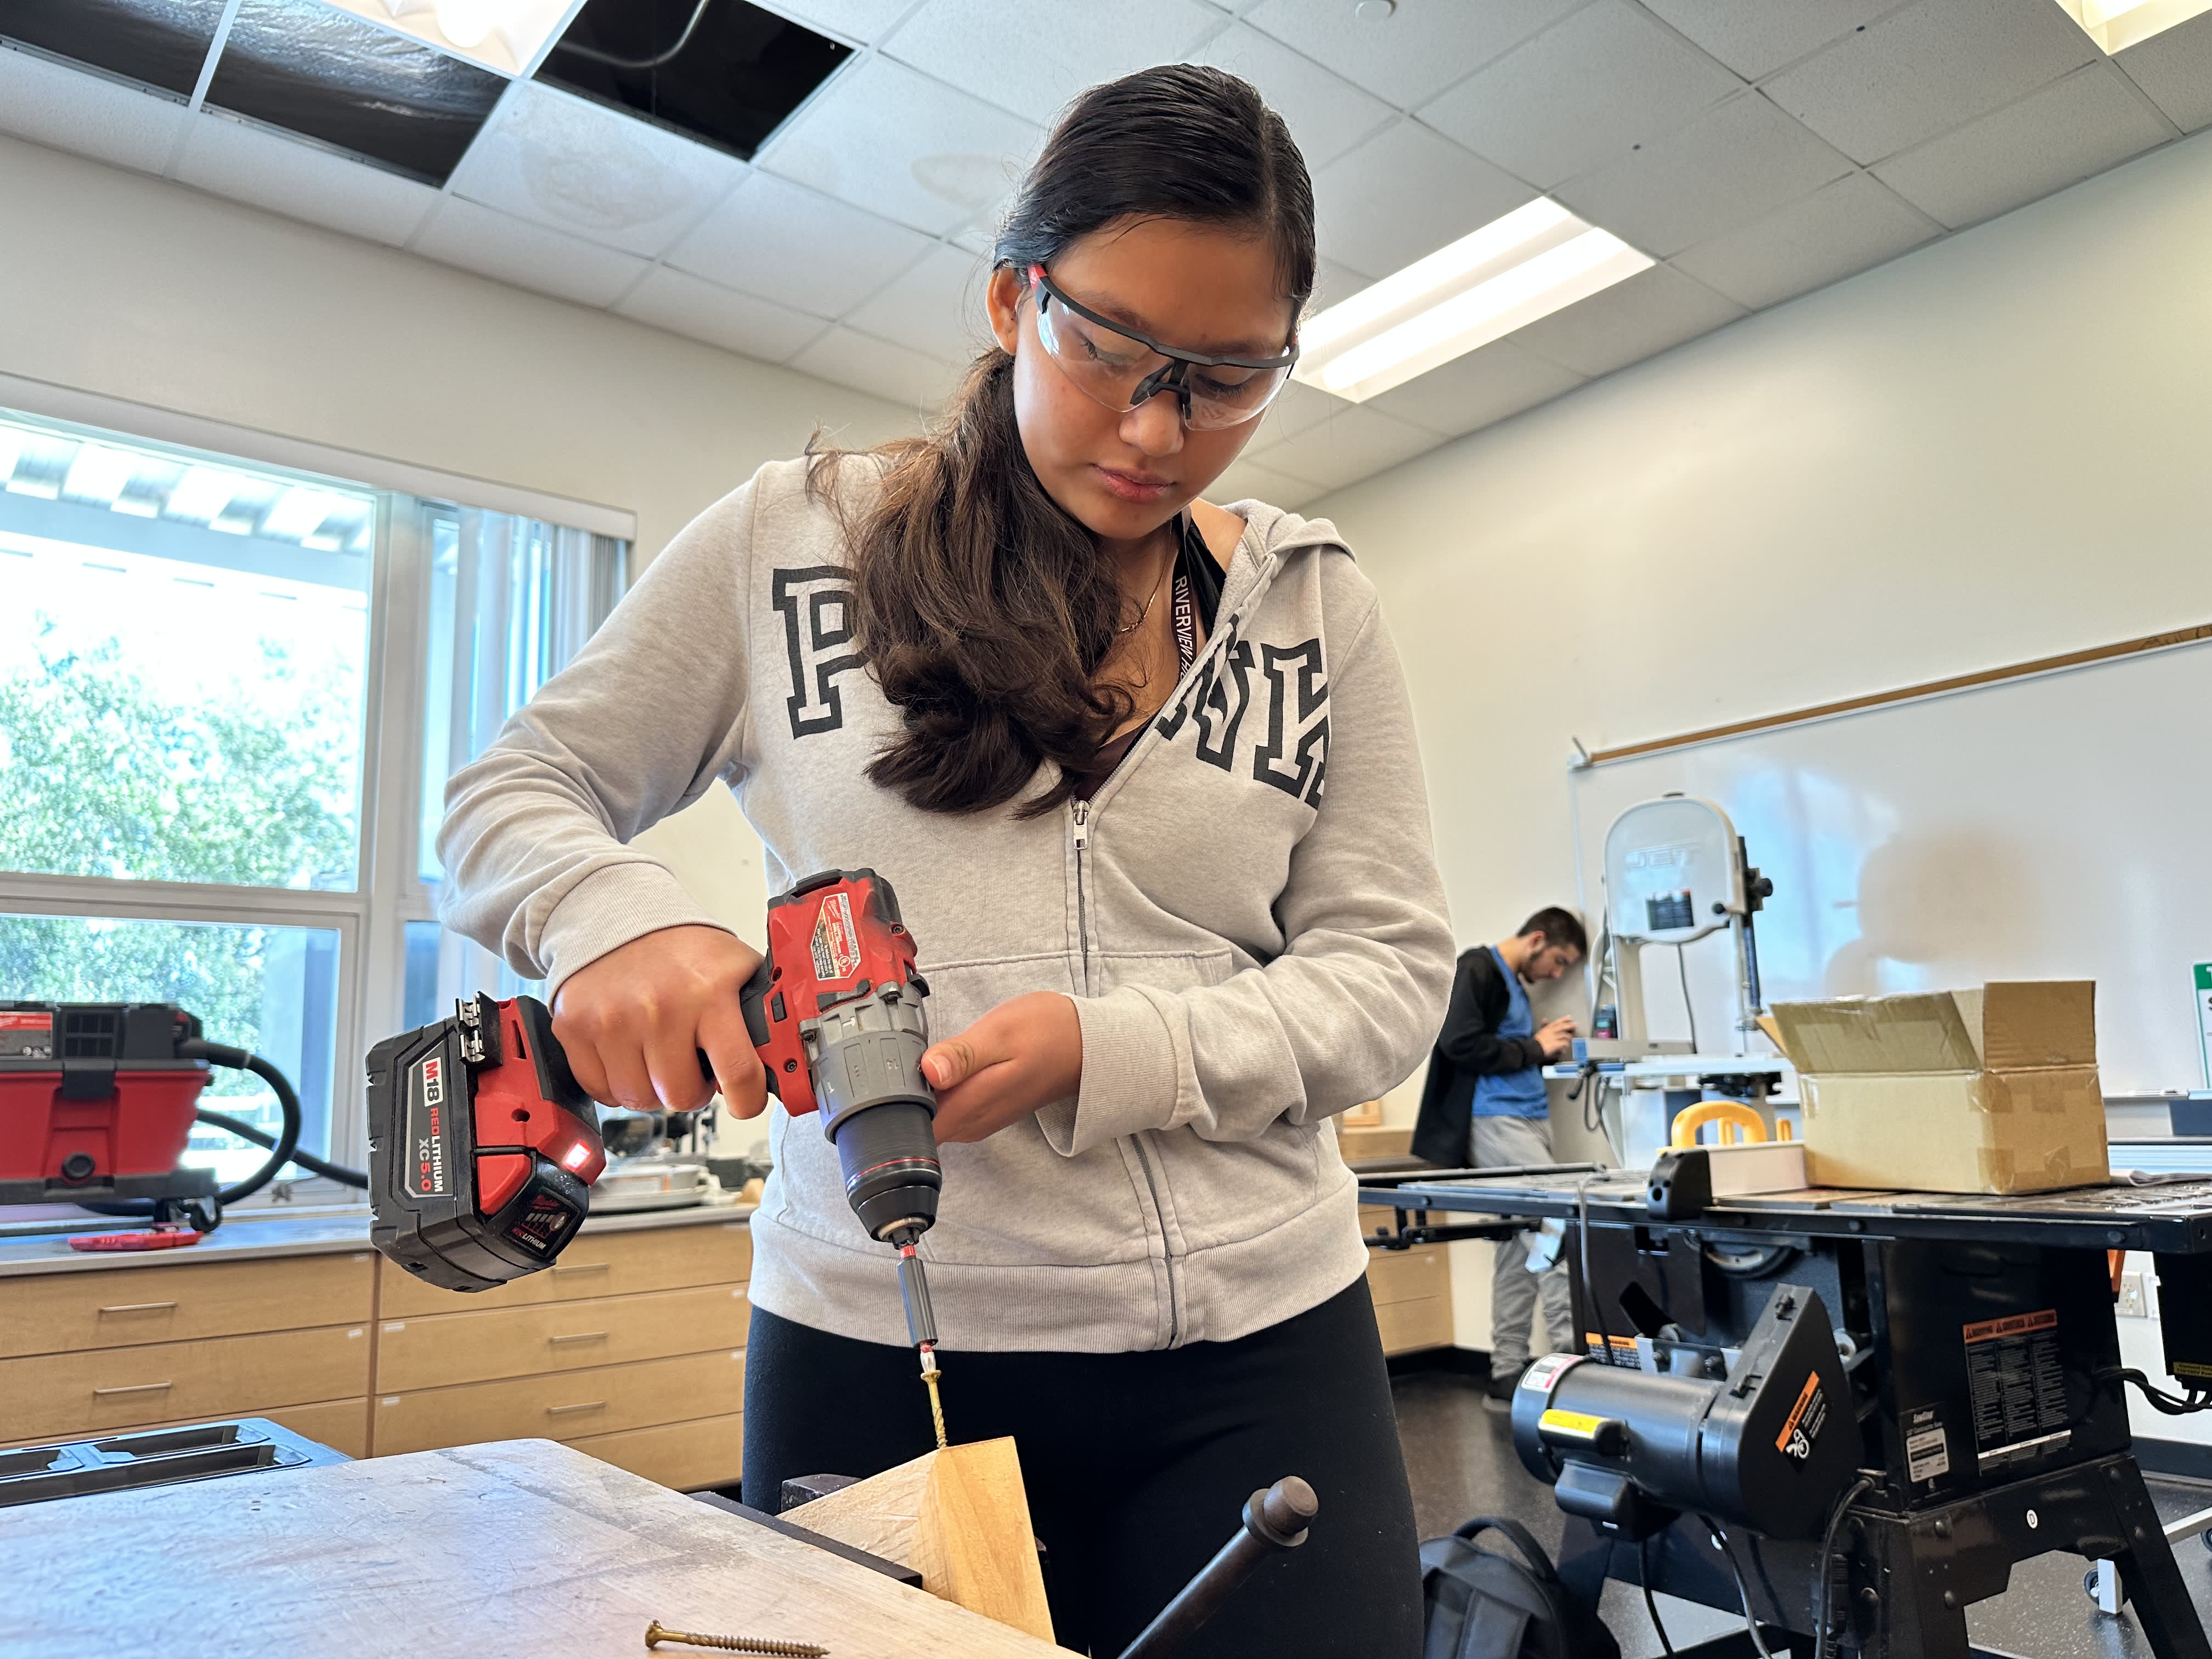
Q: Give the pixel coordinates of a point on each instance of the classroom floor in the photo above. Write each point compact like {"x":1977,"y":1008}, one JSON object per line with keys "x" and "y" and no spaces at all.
{"x":1460,"y":1455}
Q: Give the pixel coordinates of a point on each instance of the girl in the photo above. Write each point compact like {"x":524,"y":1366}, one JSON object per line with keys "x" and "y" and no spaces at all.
{"x":1141,"y":771}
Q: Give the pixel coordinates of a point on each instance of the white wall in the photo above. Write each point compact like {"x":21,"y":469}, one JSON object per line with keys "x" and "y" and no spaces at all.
{"x":137,"y":288}
{"x":1988,"y":450}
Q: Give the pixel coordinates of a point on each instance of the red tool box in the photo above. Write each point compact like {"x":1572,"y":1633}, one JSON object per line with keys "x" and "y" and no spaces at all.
{"x":95,"y":1101}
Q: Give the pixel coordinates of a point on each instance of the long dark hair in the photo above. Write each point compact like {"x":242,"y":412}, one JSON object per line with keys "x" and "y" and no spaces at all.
{"x":983,"y":608}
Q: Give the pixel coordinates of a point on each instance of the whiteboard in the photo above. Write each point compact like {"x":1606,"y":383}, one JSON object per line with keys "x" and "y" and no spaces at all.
{"x":2052,"y":827}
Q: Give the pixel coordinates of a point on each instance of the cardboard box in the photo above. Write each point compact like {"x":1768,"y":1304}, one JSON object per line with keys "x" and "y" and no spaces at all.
{"x":1988,"y":1090}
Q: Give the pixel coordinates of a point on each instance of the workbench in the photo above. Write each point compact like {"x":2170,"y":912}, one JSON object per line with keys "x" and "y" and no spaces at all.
{"x":521,"y":1547}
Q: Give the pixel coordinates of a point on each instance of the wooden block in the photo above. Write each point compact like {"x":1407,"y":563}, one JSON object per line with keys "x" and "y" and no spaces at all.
{"x":596,"y":1264}
{"x":444,"y":1349}
{"x":959,"y":1517}
{"x":124,"y":1307}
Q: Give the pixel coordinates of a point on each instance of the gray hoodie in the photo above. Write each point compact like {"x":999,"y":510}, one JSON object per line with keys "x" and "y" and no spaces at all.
{"x":1247,"y":915}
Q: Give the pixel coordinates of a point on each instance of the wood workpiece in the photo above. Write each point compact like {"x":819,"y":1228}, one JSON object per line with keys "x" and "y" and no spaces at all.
{"x":518,"y":1548}
{"x":960,"y":1518}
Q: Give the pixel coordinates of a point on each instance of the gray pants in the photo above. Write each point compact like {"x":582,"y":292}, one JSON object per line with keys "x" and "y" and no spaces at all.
{"x":1499,"y":1143}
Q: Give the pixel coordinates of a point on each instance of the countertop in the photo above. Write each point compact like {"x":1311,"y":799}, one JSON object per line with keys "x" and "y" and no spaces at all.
{"x":260,"y":1233}
{"x":518,"y":1548}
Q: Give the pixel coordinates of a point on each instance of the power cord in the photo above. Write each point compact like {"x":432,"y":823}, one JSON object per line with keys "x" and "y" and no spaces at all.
{"x":1589,"y":1284}
{"x":2174,"y":1404}
{"x":1823,"y":1615}
{"x":1644,"y":1571}
{"x":1743,"y":1590}
{"x":1682,"y":972}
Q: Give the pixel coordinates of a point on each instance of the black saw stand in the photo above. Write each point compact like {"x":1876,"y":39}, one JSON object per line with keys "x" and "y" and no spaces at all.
{"x":1983,"y":1359}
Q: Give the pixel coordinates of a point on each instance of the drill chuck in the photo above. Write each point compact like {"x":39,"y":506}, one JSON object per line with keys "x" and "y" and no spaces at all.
{"x":889,"y":1156}
{"x":877,"y":1108}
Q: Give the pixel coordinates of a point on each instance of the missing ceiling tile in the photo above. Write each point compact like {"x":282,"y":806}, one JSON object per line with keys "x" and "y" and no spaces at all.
{"x":160,"y":44}
{"x":312,"y":69}
{"x":721,"y":71}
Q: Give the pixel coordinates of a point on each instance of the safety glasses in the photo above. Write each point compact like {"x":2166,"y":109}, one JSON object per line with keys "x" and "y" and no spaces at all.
{"x":1123,"y":369}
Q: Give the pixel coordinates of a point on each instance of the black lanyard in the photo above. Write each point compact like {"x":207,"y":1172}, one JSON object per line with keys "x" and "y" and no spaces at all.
{"x":1196,"y":599}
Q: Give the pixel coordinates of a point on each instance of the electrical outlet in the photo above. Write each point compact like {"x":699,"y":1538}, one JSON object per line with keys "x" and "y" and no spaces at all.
{"x":2132,"y":1306}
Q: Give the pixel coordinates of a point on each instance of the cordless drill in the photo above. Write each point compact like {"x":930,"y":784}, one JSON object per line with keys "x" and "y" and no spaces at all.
{"x":483,"y":1148}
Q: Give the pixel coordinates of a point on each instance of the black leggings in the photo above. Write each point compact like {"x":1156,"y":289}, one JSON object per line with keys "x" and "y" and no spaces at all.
{"x":1137,"y":1466}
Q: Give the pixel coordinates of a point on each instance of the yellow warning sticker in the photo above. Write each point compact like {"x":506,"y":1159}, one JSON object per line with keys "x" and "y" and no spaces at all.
{"x":1580,"y":1424}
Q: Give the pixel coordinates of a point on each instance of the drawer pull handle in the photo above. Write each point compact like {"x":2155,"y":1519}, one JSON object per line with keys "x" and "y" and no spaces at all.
{"x":135,"y":1387}
{"x":579,"y":1266}
{"x":588,"y":1406}
{"x":585,"y":1336}
{"x":138,"y":1306}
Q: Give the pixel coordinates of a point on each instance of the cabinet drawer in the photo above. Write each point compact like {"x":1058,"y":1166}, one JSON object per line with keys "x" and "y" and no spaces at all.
{"x":1407,"y":1275}
{"x":688,"y":1457}
{"x":1406,"y":1326}
{"x":120,"y":1307}
{"x":595,"y":1265}
{"x":566,"y":1405}
{"x":74,"y":1394}
{"x":341,"y":1425}
{"x":557,"y":1336}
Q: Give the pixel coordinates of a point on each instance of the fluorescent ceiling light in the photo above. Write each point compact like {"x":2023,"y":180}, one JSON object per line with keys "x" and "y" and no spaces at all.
{"x":1528,"y":264}
{"x":2116,"y":25}
{"x":506,"y":35}
{"x":97,"y":474}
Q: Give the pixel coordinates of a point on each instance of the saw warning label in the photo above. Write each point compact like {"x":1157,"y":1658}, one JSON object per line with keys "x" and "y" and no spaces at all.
{"x":837,"y":941}
{"x":2019,"y":1387}
{"x":1806,"y":1419}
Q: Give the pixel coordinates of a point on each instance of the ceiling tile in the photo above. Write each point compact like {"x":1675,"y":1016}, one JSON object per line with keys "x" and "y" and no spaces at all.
{"x":230,"y":157}
{"x":89,"y":114}
{"x":1416,"y":51}
{"x":1925,"y":70}
{"x":1250,"y":481}
{"x":579,"y":166}
{"x":844,"y":357}
{"x":2175,"y":69}
{"x":801,"y":249}
{"x":1351,"y":444}
{"x":1754,"y":40}
{"x":1032,"y":59}
{"x":1298,"y":408}
{"x":736,"y":322}
{"x":2075,"y":128}
{"x":1736,"y":162}
{"x":529,"y":256}
{"x":1501,"y":378}
{"x":159,"y":42}
{"x":1405,"y":192}
{"x":936,"y":308}
{"x":862,"y":21}
{"x":1844,"y":227}
{"x":1333,"y":282}
{"x":1326,"y":115}
{"x":1581,"y":94}
{"x":1631,"y":320}
{"x":886,"y":138}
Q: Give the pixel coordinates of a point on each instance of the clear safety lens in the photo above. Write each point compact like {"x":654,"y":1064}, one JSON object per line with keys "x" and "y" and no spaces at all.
{"x":1116,"y":369}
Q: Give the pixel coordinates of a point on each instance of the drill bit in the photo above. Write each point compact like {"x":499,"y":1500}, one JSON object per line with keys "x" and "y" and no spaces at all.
{"x":654,"y":1635}
{"x":929,"y":1374}
{"x":921,"y":1329}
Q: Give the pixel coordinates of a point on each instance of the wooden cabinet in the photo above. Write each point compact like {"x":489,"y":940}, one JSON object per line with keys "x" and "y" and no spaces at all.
{"x":125,"y":1307}
{"x":1412,"y":1291}
{"x":630,"y":1347}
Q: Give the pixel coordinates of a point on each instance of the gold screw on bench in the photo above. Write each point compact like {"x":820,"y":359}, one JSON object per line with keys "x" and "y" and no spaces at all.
{"x":654,"y":1634}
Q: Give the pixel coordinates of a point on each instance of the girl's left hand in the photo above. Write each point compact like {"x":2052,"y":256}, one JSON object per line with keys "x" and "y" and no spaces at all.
{"x":1024,"y":1053}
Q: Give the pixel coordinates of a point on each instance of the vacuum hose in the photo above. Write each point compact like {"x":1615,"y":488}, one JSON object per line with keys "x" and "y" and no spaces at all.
{"x":285,"y":1145}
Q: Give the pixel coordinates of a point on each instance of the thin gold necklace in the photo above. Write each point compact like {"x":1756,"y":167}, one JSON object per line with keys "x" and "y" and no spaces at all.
{"x":1159,"y":582}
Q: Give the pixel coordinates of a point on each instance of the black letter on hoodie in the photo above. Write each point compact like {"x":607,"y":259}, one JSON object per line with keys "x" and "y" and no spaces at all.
{"x":1310,"y":748}
{"x":819,"y":643}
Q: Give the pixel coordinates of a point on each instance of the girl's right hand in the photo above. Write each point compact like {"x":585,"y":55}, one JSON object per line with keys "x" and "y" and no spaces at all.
{"x":635,"y":1023}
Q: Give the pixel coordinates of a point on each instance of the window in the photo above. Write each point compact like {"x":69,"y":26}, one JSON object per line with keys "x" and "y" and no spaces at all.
{"x":201,"y":660}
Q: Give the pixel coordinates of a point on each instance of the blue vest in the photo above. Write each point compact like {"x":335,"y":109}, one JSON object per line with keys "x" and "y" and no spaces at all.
{"x":1513,"y":1094}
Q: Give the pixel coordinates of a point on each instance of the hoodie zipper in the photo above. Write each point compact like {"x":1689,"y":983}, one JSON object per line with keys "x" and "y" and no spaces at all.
{"x":1082,"y":810}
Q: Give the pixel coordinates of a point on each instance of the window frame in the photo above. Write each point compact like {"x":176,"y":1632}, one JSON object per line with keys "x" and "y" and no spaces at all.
{"x":371,"y":918}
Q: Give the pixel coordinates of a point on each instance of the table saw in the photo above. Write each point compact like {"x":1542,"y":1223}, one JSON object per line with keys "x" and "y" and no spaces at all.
{"x":1976,"y":1352}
